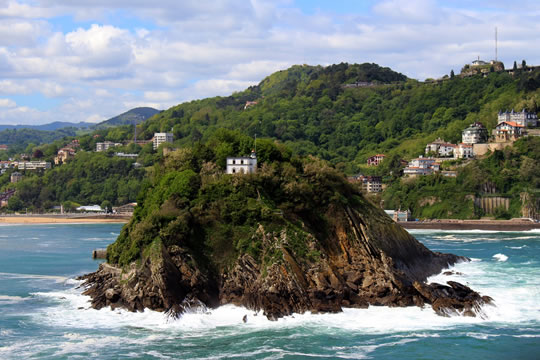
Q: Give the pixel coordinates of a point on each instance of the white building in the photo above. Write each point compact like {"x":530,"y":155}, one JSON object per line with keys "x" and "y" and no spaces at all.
{"x":421,"y":166}
{"x":441,"y":148}
{"x":475,"y":134}
{"x":106,"y":145}
{"x":242,"y":165}
{"x":508,"y":131}
{"x":523,"y":118}
{"x":160,"y":138}
{"x":464,"y":151}
{"x":32,"y":165}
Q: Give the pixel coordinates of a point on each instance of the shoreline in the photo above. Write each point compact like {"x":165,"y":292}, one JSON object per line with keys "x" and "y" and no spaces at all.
{"x":451,"y":224}
{"x":63,"y":219}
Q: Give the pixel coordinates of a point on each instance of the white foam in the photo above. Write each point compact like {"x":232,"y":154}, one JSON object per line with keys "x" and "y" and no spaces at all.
{"x":33,"y":276}
{"x":11,"y":299}
{"x":500,"y":257}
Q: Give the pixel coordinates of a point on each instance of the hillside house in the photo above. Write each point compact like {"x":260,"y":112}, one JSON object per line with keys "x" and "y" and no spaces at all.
{"x":32,"y":165}
{"x":242,"y":165}
{"x":126,"y":155}
{"x":375,"y":160}
{"x":440,"y":148}
{"x":370,"y":184}
{"x":16,"y":177}
{"x":421,"y":166}
{"x":475,"y":134}
{"x":106,"y":145}
{"x":524,"y":118}
{"x":3,"y":147}
{"x":464,"y":151}
{"x":160,"y":138}
{"x":508,"y":131}
{"x":63,"y":155}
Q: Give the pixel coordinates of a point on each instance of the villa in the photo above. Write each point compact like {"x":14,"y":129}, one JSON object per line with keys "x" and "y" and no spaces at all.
{"x":421,"y":166}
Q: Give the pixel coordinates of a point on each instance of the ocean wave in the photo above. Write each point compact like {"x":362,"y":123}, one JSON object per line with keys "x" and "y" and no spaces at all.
{"x":432,"y":231}
{"x":500,"y":257}
{"x":33,"y":276}
{"x":11,"y":299}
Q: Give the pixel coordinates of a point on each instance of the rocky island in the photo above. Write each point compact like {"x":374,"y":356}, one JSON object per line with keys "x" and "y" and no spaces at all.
{"x":293,"y":237}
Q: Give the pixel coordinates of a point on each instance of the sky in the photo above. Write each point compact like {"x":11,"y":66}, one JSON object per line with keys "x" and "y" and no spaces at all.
{"x":90,"y":60}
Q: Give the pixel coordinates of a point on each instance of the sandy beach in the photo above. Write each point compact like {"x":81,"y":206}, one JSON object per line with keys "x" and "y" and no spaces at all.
{"x":62,"y":219}
{"x":493,"y":225}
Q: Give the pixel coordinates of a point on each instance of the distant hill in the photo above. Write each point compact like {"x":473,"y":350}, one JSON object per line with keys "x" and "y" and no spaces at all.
{"x":136,"y":115}
{"x":49,"y":127}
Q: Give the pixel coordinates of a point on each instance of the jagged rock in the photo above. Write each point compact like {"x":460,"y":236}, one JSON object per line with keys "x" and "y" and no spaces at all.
{"x":363,"y":261}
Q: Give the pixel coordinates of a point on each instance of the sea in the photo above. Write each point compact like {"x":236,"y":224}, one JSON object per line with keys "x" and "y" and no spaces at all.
{"x":43,"y":314}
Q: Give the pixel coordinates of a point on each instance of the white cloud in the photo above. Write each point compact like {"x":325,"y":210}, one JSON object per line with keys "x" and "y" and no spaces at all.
{"x":183,"y":50}
{"x":7,"y":103}
{"x":158,"y":95}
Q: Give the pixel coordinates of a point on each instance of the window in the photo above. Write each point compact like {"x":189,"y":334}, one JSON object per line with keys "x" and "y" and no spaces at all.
{"x":242,"y":162}
{"x":234,"y":162}
{"x":233,"y":170}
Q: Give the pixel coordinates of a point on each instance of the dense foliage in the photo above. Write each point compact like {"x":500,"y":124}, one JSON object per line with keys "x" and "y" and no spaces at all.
{"x":20,"y":140}
{"x":191,"y":202}
{"x":505,"y":173}
{"x":90,"y":178}
{"x":312,"y":111}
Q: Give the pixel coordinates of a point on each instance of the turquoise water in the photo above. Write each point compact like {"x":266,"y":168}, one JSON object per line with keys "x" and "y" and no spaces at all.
{"x":44,"y":316}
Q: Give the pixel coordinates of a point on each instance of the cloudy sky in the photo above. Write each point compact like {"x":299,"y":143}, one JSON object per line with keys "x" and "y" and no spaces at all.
{"x":89,"y":60}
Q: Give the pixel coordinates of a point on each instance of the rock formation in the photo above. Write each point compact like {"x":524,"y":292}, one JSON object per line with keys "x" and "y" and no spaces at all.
{"x":294,"y":237}
{"x":359,"y":265}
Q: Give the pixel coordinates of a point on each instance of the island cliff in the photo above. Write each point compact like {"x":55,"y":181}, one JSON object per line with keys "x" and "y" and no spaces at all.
{"x":293,"y":237}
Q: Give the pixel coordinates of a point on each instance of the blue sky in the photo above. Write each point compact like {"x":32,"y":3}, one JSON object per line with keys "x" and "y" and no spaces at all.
{"x":89,"y":60}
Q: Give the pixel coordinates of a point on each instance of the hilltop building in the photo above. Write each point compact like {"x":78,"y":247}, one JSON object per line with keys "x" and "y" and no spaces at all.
{"x":523,"y":118}
{"x":3,"y":147}
{"x":440,"y":148}
{"x":106,"y":145}
{"x":421,"y":166}
{"x":475,"y":134}
{"x":242,"y":164}
{"x":160,"y":138}
{"x":375,"y":160}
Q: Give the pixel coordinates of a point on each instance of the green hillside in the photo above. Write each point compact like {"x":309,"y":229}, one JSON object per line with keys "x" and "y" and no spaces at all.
{"x":315,"y":110}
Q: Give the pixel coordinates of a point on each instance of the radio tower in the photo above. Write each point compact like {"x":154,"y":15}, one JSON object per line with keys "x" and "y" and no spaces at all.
{"x":495,"y":43}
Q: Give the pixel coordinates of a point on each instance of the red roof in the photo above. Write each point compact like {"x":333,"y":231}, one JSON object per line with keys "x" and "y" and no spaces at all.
{"x":511,"y":123}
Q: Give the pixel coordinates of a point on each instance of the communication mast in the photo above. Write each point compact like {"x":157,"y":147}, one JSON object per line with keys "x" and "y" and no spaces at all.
{"x":496,"y":43}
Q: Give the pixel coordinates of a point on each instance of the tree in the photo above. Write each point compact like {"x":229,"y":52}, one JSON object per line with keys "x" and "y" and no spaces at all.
{"x":107,"y":206}
{"x":15,"y":203}
{"x":452,"y":74}
{"x":38,"y":154}
{"x":514,"y":68}
{"x":523,"y":65}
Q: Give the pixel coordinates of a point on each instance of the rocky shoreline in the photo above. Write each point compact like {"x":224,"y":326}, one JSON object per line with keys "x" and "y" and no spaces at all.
{"x":362,"y":263}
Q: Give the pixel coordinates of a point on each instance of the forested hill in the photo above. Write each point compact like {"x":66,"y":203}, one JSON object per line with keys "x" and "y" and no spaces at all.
{"x":345,"y":113}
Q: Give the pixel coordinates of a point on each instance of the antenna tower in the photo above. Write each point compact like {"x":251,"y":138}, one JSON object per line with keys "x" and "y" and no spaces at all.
{"x":496,"y":43}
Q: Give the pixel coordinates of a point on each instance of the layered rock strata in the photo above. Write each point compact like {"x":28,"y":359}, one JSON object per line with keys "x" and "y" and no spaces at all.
{"x":357,"y":261}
